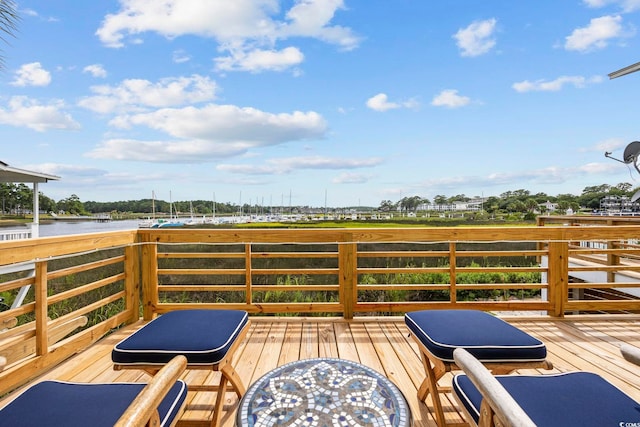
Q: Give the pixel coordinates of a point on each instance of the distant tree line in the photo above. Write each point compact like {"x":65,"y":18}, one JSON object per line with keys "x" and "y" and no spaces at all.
{"x":149,"y":206}
{"x":522,"y":201}
{"x":17,"y":199}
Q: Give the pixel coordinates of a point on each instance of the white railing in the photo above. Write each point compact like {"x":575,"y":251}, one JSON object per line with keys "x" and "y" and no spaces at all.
{"x":14,"y":234}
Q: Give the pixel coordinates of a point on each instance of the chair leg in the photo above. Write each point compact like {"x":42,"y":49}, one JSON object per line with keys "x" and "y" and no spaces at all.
{"x":435,"y":371}
{"x":430,"y":385}
{"x":217,"y":409}
{"x":486,"y":415}
{"x":231,"y":374}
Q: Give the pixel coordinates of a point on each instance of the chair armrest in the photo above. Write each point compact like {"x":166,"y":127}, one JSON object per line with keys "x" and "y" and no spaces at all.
{"x":630,"y":353}
{"x":145,"y":405}
{"x":500,"y":401}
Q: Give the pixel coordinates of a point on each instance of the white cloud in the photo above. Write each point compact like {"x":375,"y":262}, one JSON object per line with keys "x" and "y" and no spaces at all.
{"x":351,"y":178}
{"x":29,"y":12}
{"x":162,"y":151}
{"x":596,"y":168}
{"x":555,"y":85}
{"x":25,"y":112}
{"x":62,"y":170}
{"x":230,"y":123}
{"x":213,"y":131}
{"x":172,"y":18}
{"x":248,"y":29}
{"x":613,"y":147}
{"x":476,"y":39}
{"x":596,"y":35}
{"x":34,"y":14}
{"x":96,"y":70}
{"x":310,"y":18}
{"x":544,"y":176}
{"x":626,"y":5}
{"x":606,"y":145}
{"x":139,"y":94}
{"x":180,"y":56}
{"x":95,"y":179}
{"x":289,"y":164}
{"x":380,"y":102}
{"x":32,"y":75}
{"x":259,"y":60}
{"x":449,"y":98}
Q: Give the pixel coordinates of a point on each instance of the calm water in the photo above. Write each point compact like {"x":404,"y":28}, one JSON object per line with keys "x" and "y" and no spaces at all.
{"x":58,"y":228}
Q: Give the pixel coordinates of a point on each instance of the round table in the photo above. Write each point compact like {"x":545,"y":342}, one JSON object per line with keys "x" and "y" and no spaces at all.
{"x":323,"y":392}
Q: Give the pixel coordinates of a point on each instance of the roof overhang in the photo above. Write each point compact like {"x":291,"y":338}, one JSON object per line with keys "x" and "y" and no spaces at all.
{"x":9,"y":174}
{"x":624,"y":71}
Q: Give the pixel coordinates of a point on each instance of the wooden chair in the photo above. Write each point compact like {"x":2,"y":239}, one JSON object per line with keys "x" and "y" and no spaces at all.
{"x":57,"y":403}
{"x":207,"y":338}
{"x":568,"y":399}
{"x":501,"y":347}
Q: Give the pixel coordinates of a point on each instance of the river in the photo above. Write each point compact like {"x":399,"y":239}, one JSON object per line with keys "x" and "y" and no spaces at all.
{"x":61,"y":227}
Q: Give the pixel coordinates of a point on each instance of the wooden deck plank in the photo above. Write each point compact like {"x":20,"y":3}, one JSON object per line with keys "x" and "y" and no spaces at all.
{"x":366,"y":351}
{"x":251,"y":352}
{"x":327,"y":346}
{"x":344,"y":340}
{"x":384,"y":340}
{"x":270,"y":352}
{"x":292,"y":342}
{"x":309,"y":343}
{"x":584,"y":346}
{"x":604,"y":354}
{"x":382,"y":344}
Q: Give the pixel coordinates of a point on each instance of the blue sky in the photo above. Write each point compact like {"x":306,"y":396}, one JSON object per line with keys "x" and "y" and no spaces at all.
{"x":357,"y":101}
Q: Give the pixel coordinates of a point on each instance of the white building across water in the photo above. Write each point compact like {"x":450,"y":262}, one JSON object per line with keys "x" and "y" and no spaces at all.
{"x":14,"y":175}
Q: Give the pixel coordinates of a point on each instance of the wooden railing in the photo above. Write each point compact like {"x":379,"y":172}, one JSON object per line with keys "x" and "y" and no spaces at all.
{"x":604,"y":263}
{"x":62,"y":282}
{"x":110,"y":279}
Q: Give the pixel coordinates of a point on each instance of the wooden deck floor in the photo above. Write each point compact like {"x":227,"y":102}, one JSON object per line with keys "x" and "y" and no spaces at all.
{"x":383,"y":344}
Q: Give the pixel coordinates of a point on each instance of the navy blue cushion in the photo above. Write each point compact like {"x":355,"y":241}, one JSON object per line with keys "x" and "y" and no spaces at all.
{"x":486,"y":337}
{"x":55,"y":403}
{"x":202,"y":336}
{"x":571,"y":399}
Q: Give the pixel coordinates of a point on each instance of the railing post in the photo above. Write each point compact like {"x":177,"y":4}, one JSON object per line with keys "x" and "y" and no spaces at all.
{"x":248,"y":274}
{"x":539,"y":245}
{"x":452,"y":273}
{"x":132,"y":282}
{"x":149,"y":279}
{"x":612,"y":259}
{"x":41,"y":310}
{"x":348,"y":267}
{"x":558,"y":277}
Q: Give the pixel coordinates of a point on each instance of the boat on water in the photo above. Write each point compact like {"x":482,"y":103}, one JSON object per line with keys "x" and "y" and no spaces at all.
{"x":160,"y":223}
{"x":147,"y":223}
{"x":150,"y":222}
{"x":173,"y":221}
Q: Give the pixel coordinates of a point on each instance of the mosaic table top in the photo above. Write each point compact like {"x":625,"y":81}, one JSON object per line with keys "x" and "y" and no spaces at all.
{"x":323,"y":392}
